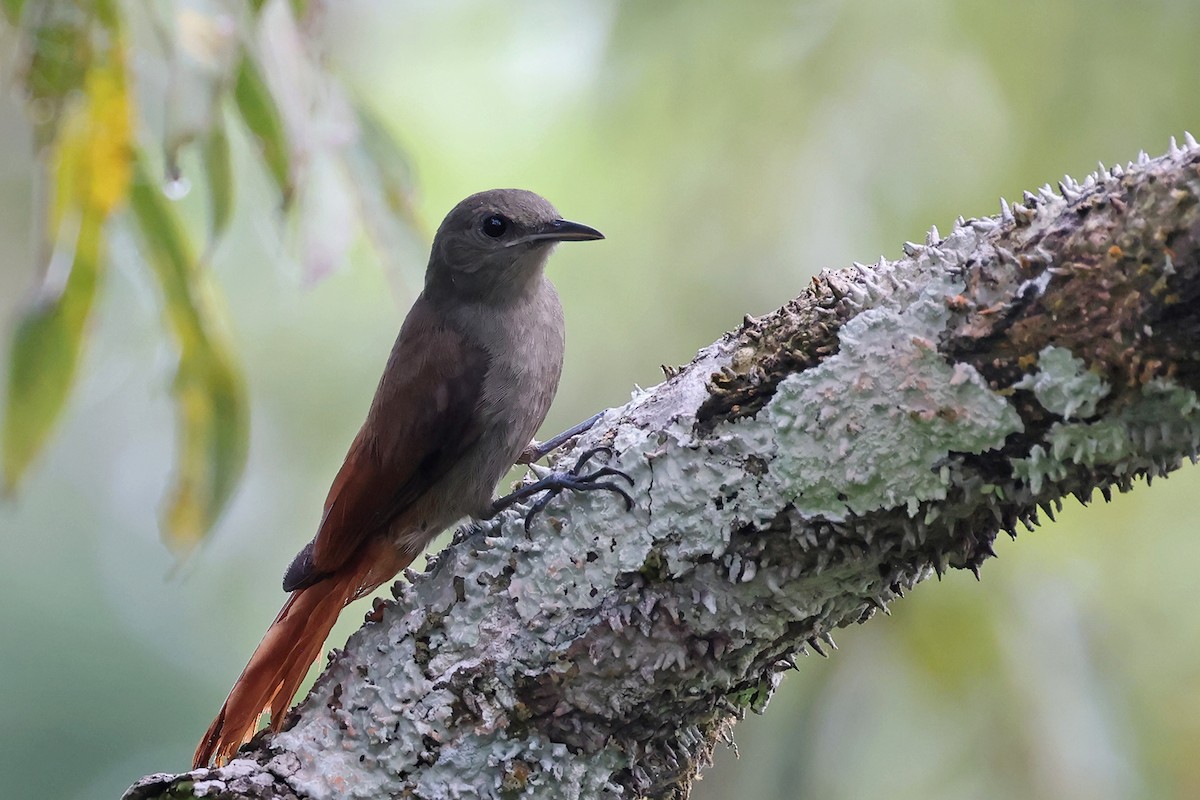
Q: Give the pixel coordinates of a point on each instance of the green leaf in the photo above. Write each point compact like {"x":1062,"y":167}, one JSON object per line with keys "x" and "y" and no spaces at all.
{"x":65,"y":40}
{"x":299,"y":7}
{"x":59,"y":53}
{"x":12,"y":10}
{"x":47,"y":343}
{"x":258,"y":110}
{"x":212,"y":411}
{"x":219,"y":170}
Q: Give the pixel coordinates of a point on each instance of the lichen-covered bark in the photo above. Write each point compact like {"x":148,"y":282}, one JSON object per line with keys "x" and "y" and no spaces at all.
{"x":796,"y":477}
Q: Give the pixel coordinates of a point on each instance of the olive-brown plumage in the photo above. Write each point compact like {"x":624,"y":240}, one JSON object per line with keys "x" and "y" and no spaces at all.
{"x":469,"y":381}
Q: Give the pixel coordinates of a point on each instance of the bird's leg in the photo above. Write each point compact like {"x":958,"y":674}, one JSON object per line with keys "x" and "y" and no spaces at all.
{"x":537,"y":450}
{"x":574,"y":479}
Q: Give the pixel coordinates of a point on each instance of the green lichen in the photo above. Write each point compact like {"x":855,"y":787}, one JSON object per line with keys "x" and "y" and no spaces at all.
{"x":1064,"y":385}
{"x":481,"y":766}
{"x":1038,"y":468}
{"x":1164,"y":422}
{"x":867,"y":428}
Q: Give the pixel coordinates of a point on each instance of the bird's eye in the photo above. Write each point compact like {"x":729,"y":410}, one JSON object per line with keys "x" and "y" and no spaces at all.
{"x":495,"y":226}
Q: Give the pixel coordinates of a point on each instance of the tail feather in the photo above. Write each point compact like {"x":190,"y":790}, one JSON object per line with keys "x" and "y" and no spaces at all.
{"x":276,"y":669}
{"x":292,"y":643}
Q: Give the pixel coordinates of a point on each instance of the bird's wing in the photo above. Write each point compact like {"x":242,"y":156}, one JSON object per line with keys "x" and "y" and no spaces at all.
{"x":423,"y":417}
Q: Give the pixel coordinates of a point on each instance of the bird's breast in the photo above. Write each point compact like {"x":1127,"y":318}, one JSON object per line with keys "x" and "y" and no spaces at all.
{"x":524,"y":365}
{"x":525,"y":342}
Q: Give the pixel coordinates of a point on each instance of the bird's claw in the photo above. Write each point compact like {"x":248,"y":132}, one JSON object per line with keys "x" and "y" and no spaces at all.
{"x":556,"y":483}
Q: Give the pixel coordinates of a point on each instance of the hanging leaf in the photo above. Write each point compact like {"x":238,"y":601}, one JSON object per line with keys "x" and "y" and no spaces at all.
{"x":259,"y":112}
{"x":203,"y":50}
{"x":386,"y":163}
{"x":213,"y":419}
{"x":382,"y":183}
{"x":89,"y":159}
{"x":219,"y":171}
{"x":324,"y":222}
{"x":46,"y":346}
{"x":12,"y":10}
{"x":59,"y":52}
{"x":299,"y":7}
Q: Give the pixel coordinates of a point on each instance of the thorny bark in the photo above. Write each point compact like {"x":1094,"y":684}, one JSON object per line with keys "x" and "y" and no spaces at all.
{"x":796,"y":477}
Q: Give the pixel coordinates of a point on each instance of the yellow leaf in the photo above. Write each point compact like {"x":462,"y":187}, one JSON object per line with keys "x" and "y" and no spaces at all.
{"x":94,"y":148}
{"x":111,"y":154}
{"x":211,"y":400}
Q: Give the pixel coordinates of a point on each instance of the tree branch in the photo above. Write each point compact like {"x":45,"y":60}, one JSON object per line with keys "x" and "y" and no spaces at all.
{"x":796,"y":477}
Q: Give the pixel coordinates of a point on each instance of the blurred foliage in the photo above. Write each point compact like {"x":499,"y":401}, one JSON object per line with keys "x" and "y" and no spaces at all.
{"x":208,"y":389}
{"x":728,"y":152}
{"x":85,"y":146}
{"x":82,"y":106}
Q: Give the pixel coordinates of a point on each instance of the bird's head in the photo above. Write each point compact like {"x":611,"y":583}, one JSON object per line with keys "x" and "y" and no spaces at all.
{"x":494,"y":244}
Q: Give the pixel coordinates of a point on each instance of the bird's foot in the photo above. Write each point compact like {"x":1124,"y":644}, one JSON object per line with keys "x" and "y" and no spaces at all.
{"x":537,"y":450}
{"x":574,"y":479}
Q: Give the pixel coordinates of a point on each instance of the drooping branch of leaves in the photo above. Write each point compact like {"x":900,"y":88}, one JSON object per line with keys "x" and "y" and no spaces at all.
{"x":115,"y":148}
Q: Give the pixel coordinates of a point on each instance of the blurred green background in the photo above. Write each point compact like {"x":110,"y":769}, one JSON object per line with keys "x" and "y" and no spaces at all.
{"x":728,"y":151}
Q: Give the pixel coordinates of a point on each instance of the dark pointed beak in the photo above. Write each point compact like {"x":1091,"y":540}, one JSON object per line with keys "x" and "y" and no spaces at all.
{"x":561,"y":230}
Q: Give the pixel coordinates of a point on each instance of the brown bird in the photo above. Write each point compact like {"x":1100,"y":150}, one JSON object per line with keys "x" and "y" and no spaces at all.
{"x":468,"y":383}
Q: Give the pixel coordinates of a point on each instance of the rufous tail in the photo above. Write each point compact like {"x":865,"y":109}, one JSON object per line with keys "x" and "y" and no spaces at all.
{"x":279,"y":664}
